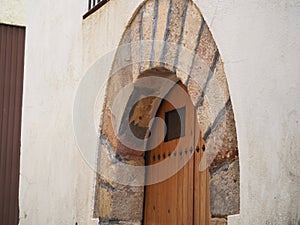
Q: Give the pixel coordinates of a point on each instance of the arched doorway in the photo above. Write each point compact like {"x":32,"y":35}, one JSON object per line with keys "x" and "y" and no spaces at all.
{"x":183,"y":198}
{"x":165,"y":37}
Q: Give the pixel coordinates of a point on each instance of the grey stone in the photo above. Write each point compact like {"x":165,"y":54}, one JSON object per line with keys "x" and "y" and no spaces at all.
{"x":218,"y":221}
{"x":225,"y":191}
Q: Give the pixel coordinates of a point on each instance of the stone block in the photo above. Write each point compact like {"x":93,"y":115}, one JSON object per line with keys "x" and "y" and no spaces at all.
{"x":222,"y":143}
{"x":218,"y":221}
{"x":225,"y":191}
{"x":120,"y":205}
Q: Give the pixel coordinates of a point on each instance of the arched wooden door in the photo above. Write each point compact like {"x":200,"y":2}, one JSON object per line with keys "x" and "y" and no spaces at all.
{"x":183,"y":198}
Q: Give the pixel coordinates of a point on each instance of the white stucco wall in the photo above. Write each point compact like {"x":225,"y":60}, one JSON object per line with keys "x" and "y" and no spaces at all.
{"x":260,"y":46}
{"x":55,"y":184}
{"x":13,"y":12}
{"x":259,"y":43}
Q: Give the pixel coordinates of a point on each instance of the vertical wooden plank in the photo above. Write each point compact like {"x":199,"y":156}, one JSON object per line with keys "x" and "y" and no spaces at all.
{"x":208,"y":216}
{"x":5,"y":122}
{"x":191,"y":190}
{"x":201,"y":189}
{"x":201,"y":204}
{"x":179,"y":192}
{"x":12,"y":40}
{"x":188,"y":143}
{"x":173,"y":185}
{"x":3,"y":39}
{"x":203,"y":192}
{"x":159,"y":194}
{"x":17,"y":127}
{"x":11,"y":120}
{"x":2,"y":71}
{"x":197,"y":157}
{"x":197,"y":196}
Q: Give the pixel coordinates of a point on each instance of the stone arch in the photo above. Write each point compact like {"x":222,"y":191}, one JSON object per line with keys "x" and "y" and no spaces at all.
{"x":168,"y":39}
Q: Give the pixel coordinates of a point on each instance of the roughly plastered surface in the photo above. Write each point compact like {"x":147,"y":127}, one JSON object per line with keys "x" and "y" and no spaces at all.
{"x":13,"y":12}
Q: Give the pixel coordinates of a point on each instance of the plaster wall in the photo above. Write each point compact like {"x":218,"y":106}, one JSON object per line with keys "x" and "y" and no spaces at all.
{"x":56,"y":185}
{"x":13,"y":12}
{"x":259,"y":44}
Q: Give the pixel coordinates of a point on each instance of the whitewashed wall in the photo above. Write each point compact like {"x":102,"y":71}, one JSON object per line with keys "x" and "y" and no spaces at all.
{"x":259,"y":43}
{"x":52,"y":190}
{"x":13,"y":12}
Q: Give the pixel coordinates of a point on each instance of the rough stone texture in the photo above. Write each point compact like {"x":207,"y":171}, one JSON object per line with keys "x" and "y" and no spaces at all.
{"x":115,"y":201}
{"x":194,"y":90}
{"x":207,"y":46}
{"x":224,"y":190}
{"x":135,"y":44}
{"x":116,"y":82}
{"x":160,"y":30}
{"x":215,"y":98}
{"x":216,"y":94}
{"x":174,"y":32}
{"x":192,"y":26}
{"x":117,"y":171}
{"x":147,"y":24}
{"x":189,"y":42}
{"x":117,"y":196}
{"x":218,"y":221}
{"x":221,"y":80}
{"x":222,"y":144}
{"x":118,"y":146}
{"x":120,"y":204}
{"x":127,"y":206}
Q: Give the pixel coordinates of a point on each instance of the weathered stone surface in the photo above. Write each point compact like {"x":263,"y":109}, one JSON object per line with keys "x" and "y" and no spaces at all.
{"x":216,"y":94}
{"x":191,"y":28}
{"x":118,"y":147}
{"x":174,"y":29}
{"x":105,"y":199}
{"x":218,"y":221}
{"x":117,"y":203}
{"x":222,"y":143}
{"x":123,"y":55}
{"x":207,"y":46}
{"x":224,"y":190}
{"x":115,"y":170}
{"x":189,"y":40}
{"x":135,"y":44}
{"x":147,"y":26}
{"x":120,"y":205}
{"x":116,"y":187}
{"x":127,"y":206}
{"x":194,"y":90}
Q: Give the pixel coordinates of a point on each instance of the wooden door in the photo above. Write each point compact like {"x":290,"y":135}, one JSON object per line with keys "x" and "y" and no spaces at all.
{"x":181,"y":199}
{"x":12,"y":42}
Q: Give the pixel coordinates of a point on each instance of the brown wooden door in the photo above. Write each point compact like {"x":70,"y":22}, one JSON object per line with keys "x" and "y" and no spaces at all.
{"x":182,"y":199}
{"x":12,"y":41}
